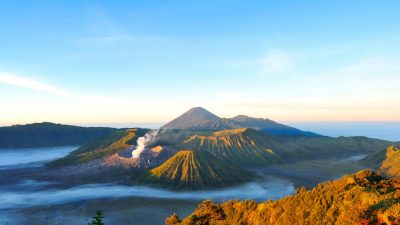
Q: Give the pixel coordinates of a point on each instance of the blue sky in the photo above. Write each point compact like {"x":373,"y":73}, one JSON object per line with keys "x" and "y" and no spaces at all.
{"x":148,"y":61}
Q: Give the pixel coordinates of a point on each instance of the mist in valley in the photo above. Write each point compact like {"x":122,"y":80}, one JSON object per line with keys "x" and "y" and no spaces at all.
{"x":43,"y":200}
{"x":47,"y":202}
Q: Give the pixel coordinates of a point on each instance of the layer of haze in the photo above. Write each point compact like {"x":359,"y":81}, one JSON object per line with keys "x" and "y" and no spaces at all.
{"x":382,"y":130}
{"x":146,"y":62}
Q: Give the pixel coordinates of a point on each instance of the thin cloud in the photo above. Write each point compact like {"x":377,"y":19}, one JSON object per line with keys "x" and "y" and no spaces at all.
{"x":276,"y":62}
{"x":31,"y":84}
{"x":34,"y":85}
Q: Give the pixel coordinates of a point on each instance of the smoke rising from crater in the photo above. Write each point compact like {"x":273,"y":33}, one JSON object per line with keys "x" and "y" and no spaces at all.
{"x":142,"y":142}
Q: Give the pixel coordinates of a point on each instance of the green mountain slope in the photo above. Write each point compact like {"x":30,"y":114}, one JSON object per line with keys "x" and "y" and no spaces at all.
{"x":49,"y":135}
{"x":362,"y":198}
{"x":300,"y":148}
{"x":250,"y":147}
{"x":113,"y":143}
{"x":196,"y":170}
{"x":241,"y":146}
{"x":386,"y":161}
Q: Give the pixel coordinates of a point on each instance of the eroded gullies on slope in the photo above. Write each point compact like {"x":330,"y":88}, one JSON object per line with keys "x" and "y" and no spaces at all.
{"x":154,"y":157}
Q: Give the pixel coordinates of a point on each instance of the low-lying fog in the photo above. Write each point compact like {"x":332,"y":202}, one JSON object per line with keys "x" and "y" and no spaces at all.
{"x":9,"y":198}
{"x":26,"y":201}
{"x":31,"y":156}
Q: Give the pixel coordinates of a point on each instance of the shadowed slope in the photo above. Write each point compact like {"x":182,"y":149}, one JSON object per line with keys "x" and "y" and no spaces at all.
{"x":362,"y":198}
{"x":196,"y":170}
{"x":49,"y":134}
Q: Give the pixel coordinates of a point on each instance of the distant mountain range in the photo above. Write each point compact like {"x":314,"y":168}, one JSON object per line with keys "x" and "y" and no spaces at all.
{"x":196,"y":119}
{"x":200,"y":119}
{"x":49,"y":135}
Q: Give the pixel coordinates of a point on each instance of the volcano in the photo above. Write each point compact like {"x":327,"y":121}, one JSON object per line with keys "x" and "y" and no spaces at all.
{"x":115,"y":152}
{"x":198,"y":118}
{"x":150,"y":158}
{"x":196,"y":170}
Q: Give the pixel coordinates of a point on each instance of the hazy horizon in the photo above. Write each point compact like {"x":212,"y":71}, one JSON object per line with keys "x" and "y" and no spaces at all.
{"x":386,"y":130}
{"x":107,"y":62}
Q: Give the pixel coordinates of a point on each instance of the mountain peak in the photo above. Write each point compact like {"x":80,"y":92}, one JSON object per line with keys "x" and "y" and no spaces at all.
{"x":200,"y":112}
{"x":196,"y":117}
{"x":197,"y":108}
{"x":241,"y":117}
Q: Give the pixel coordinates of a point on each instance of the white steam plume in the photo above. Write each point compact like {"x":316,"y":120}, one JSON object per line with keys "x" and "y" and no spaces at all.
{"x":142,"y":142}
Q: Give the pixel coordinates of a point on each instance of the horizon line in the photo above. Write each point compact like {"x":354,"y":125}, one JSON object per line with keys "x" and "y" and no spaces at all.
{"x":140,"y":124}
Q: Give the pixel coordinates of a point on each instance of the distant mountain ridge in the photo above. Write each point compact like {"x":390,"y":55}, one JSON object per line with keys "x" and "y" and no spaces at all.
{"x":49,"y":135}
{"x":198,"y":118}
{"x":269,"y":126}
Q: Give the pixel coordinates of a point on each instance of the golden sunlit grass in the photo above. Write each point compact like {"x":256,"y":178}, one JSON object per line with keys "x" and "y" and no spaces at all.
{"x":362,"y":198}
{"x":391,"y":165}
